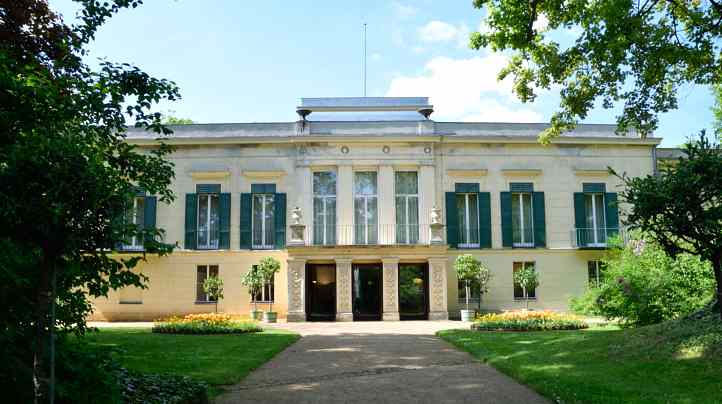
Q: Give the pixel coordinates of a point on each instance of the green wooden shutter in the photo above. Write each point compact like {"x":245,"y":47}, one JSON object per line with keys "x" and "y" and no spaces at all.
{"x":540,"y":228}
{"x":452,"y":220}
{"x":484,"y":220}
{"x":506,"y":232}
{"x":191,"y":221}
{"x":149,"y":214}
{"x":246,"y":210}
{"x":224,"y":205}
{"x":612,"y":213}
{"x":279,"y":217}
{"x":580,"y":219}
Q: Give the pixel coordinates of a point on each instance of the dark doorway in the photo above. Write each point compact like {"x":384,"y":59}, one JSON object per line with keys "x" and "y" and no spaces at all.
{"x":413,"y":291}
{"x":366,"y":292}
{"x":321,"y":292}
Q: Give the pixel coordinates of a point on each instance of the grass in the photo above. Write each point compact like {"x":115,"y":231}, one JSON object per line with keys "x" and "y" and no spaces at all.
{"x":675,"y":362}
{"x":216,"y":359}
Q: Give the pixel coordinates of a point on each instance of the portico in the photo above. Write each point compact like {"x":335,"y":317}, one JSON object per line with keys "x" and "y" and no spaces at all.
{"x":367,"y":284}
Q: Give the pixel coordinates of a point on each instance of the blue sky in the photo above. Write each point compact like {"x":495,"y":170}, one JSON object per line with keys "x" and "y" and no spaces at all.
{"x":242,"y":61}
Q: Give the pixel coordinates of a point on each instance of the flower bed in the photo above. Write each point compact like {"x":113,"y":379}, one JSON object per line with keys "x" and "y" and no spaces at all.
{"x":528,"y":321}
{"x":210,"y":323}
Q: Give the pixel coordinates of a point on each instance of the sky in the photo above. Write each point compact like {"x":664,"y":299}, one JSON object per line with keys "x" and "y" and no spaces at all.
{"x":243,"y":61}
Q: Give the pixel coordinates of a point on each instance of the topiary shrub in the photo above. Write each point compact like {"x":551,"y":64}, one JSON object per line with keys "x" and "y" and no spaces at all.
{"x":642,"y":285}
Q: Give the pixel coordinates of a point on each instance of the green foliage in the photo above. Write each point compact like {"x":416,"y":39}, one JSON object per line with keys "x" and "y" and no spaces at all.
{"x":204,"y":327}
{"x":268,"y":267}
{"x":68,"y":175}
{"x":86,"y":375}
{"x":253,"y":279}
{"x":171,"y":120}
{"x":528,"y":321}
{"x":474,"y":274}
{"x":717,"y":110}
{"x":213,"y":287}
{"x":638,"y":53}
{"x":681,"y":208}
{"x":141,"y":388}
{"x":643,"y":285}
{"x":527,"y":278}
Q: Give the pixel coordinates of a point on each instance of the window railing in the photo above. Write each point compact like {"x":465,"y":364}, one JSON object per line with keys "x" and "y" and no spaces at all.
{"x":589,"y":237}
{"x":384,"y":234}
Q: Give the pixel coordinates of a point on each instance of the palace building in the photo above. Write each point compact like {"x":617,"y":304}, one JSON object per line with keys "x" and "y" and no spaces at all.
{"x":366,"y":202}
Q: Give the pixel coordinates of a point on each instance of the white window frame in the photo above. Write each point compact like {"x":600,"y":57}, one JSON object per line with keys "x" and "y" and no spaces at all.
{"x":207,"y":245}
{"x":135,"y":241}
{"x":467,"y":223}
{"x":524,"y":242}
{"x":263,"y":222}
{"x":208,"y":274}
{"x":324,"y":198}
{"x":595,"y":226}
{"x":406,"y":207}
{"x":366,"y":198}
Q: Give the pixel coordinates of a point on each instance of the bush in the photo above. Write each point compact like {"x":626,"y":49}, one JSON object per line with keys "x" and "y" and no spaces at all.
{"x":642,"y":285}
{"x":211,"y":323}
{"x":528,"y":321}
{"x":91,"y":375}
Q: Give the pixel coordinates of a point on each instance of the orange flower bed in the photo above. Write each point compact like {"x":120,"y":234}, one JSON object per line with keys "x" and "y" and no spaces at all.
{"x":525,"y":320}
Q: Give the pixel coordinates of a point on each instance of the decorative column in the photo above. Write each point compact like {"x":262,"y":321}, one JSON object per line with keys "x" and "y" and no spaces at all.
{"x":296,"y":290}
{"x":386,"y":200}
{"x":391,"y":288}
{"x":427,"y":195}
{"x":344,"y":307}
{"x":438,"y":304}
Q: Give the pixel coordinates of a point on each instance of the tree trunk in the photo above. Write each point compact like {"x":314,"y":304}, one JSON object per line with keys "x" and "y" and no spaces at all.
{"x":717,"y":267}
{"x":41,"y":310}
{"x":467,"y":290}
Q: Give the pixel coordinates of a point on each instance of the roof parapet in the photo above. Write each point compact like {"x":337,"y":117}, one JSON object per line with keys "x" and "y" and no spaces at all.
{"x":365,"y":104}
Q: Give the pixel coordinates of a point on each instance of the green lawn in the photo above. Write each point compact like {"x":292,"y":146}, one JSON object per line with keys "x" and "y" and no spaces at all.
{"x":663,"y":363}
{"x":216,"y":359}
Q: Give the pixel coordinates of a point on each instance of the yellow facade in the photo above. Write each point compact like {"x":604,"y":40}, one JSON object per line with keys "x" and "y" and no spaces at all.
{"x":442,"y":155}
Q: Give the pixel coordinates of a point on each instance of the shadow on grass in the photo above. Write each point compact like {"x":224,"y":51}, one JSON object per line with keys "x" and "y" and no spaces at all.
{"x":599,"y":365}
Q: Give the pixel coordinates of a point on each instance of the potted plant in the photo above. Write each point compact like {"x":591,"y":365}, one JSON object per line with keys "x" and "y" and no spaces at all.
{"x":527,"y":279}
{"x":254,"y":279}
{"x":268,"y":268}
{"x":213,"y":287}
{"x":471,"y":270}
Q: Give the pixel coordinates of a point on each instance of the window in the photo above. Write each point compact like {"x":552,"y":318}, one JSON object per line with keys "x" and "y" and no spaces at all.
{"x":136,"y":216}
{"x":265,"y":295}
{"x":467,"y":206}
{"x":595,"y":271}
{"x":518,"y":291}
{"x":475,"y":296}
{"x":324,"y":208}
{"x":203,"y":272}
{"x":365,"y":208}
{"x":407,"y":207}
{"x":208,"y":221}
{"x":262,"y":221}
{"x":595,"y":233}
{"x":522,"y":219}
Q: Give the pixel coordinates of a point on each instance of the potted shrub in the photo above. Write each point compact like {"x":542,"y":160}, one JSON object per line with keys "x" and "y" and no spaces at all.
{"x":268,"y":268}
{"x":471,"y":271}
{"x":254,"y":279}
{"x":213,"y":287}
{"x":528,"y":279}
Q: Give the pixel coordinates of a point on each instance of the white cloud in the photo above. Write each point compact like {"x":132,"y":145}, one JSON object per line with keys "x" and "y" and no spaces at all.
{"x":404,"y":11}
{"x":466,"y":90}
{"x":440,"y":31}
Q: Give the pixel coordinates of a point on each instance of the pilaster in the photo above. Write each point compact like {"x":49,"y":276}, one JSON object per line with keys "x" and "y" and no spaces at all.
{"x":344,"y":308}
{"x":386,"y":203}
{"x":390,"y":289}
{"x":438,"y":309}
{"x":296,"y":290}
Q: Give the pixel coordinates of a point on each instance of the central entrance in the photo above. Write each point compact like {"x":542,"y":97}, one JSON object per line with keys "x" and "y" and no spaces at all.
{"x":366,"y":292}
{"x":321,"y":291}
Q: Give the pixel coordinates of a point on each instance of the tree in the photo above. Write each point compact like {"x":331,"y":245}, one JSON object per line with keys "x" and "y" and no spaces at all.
{"x":717,"y":110}
{"x":254,"y":280}
{"x":527,"y":278}
{"x":268,"y":268}
{"x":471,"y":270}
{"x":171,"y":120}
{"x":636,"y":52}
{"x":67,"y":177}
{"x":681,"y":208}
{"x":213,"y":287}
